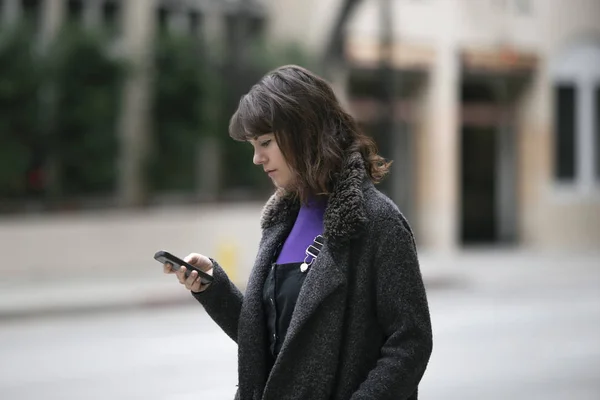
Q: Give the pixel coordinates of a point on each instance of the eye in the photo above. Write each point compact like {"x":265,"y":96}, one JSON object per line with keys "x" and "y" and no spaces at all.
{"x":265,"y":143}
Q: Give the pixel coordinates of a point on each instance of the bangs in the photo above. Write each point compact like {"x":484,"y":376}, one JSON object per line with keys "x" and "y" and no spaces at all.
{"x":252,"y":119}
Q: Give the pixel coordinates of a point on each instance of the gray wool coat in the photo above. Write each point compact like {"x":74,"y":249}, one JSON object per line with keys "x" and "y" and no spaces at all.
{"x":361,"y":327}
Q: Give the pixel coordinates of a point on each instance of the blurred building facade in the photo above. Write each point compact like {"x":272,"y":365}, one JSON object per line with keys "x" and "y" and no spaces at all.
{"x":490,"y":109}
{"x":496,"y":115}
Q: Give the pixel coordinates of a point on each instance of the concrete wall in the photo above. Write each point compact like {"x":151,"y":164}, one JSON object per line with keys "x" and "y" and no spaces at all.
{"x":481,"y":23}
{"x":118,"y":242}
{"x":306,"y":22}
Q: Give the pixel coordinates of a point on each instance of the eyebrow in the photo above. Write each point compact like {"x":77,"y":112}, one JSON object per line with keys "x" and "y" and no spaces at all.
{"x":262,"y":137}
{"x":257,"y":139}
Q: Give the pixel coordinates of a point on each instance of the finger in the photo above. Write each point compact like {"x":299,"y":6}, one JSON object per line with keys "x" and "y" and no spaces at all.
{"x":201,"y":262}
{"x":190,"y":280}
{"x":167,"y":268}
{"x":181,"y":275}
{"x":196,"y":286}
{"x":192,"y":258}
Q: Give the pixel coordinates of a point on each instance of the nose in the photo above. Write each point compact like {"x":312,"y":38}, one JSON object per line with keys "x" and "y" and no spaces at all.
{"x":258,"y":158}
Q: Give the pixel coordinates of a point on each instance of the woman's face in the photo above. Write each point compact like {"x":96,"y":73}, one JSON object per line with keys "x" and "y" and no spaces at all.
{"x":268,"y":154}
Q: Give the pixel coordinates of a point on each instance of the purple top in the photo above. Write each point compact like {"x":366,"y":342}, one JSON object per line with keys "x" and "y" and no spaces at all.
{"x":309,"y":224}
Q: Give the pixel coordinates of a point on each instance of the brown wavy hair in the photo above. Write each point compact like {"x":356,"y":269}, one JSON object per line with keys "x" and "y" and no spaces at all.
{"x":314,"y":133}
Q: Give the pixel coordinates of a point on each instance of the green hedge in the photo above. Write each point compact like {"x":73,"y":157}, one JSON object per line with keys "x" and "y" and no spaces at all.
{"x":178,"y":116}
{"x":20,"y":125}
{"x":59,"y":114}
{"x":87,"y":87}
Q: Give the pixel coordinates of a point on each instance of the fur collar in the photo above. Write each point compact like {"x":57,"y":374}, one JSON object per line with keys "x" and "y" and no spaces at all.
{"x":345,"y":214}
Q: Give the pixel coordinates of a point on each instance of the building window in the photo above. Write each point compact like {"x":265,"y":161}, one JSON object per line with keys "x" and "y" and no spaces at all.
{"x":111,"y":16}
{"x":2,"y":11}
{"x":256,"y":26}
{"x":162,"y":16}
{"x":194,"y":21}
{"x":75,"y":11}
{"x":232,"y":33}
{"x":243,"y":28}
{"x":576,"y":113}
{"x":31,"y":12}
{"x":566,"y":128}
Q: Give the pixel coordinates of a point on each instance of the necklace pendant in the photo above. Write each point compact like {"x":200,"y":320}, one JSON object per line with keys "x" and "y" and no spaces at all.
{"x":303,"y":267}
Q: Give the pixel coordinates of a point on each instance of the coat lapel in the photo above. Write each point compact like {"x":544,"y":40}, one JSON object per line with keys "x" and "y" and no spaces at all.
{"x":252,"y":338}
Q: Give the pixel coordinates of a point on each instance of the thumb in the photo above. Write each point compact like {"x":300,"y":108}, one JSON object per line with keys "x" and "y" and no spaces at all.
{"x":198,"y":260}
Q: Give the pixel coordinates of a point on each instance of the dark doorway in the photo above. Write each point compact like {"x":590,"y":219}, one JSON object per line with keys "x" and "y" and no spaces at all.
{"x":478,"y":185}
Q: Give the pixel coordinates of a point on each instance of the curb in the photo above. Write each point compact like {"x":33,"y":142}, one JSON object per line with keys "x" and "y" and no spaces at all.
{"x":151,"y":299}
{"x":73,"y":308}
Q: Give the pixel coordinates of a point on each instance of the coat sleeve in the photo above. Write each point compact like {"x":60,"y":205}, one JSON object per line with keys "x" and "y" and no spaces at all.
{"x":222,"y":300}
{"x":403,"y":314}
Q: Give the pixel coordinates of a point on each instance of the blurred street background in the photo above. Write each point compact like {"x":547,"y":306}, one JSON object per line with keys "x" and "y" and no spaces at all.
{"x":114,"y":145}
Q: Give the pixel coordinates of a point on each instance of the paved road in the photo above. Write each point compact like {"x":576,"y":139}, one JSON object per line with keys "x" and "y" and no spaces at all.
{"x":154,"y":354}
{"x":518,"y":341}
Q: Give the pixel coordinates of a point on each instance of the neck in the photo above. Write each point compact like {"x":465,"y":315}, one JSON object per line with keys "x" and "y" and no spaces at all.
{"x":316,"y":200}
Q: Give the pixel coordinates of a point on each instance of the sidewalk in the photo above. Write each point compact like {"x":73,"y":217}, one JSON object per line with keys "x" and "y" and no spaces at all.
{"x":87,"y":294}
{"x":102,"y":260}
{"x":475,"y":270}
{"x":20,"y":298}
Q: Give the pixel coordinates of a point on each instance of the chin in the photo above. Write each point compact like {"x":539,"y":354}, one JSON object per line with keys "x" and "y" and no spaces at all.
{"x":281,"y":186}
{"x":278,"y":186}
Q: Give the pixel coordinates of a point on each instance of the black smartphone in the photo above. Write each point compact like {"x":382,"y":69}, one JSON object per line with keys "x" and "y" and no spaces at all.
{"x":166,"y":257}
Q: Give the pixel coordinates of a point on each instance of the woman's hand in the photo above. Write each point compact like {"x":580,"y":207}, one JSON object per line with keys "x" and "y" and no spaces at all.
{"x":192,"y":282}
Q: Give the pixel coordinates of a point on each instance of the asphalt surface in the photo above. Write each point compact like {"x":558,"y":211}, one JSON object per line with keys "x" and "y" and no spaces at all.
{"x":501,"y":336}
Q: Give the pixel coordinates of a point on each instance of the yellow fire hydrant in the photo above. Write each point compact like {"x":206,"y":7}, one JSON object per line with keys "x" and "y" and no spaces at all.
{"x":227,"y":257}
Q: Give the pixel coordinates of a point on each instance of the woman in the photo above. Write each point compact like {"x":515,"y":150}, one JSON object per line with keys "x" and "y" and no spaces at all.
{"x":335,"y":306}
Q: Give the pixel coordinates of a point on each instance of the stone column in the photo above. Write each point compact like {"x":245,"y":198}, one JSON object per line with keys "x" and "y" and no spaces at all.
{"x":53,"y":12}
{"x":11,"y":12}
{"x":92,"y":14}
{"x":440,"y":211}
{"x":212,"y":24}
{"x":138,"y":33}
{"x":209,"y":167}
{"x":585,"y":166}
{"x":52,"y":16}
